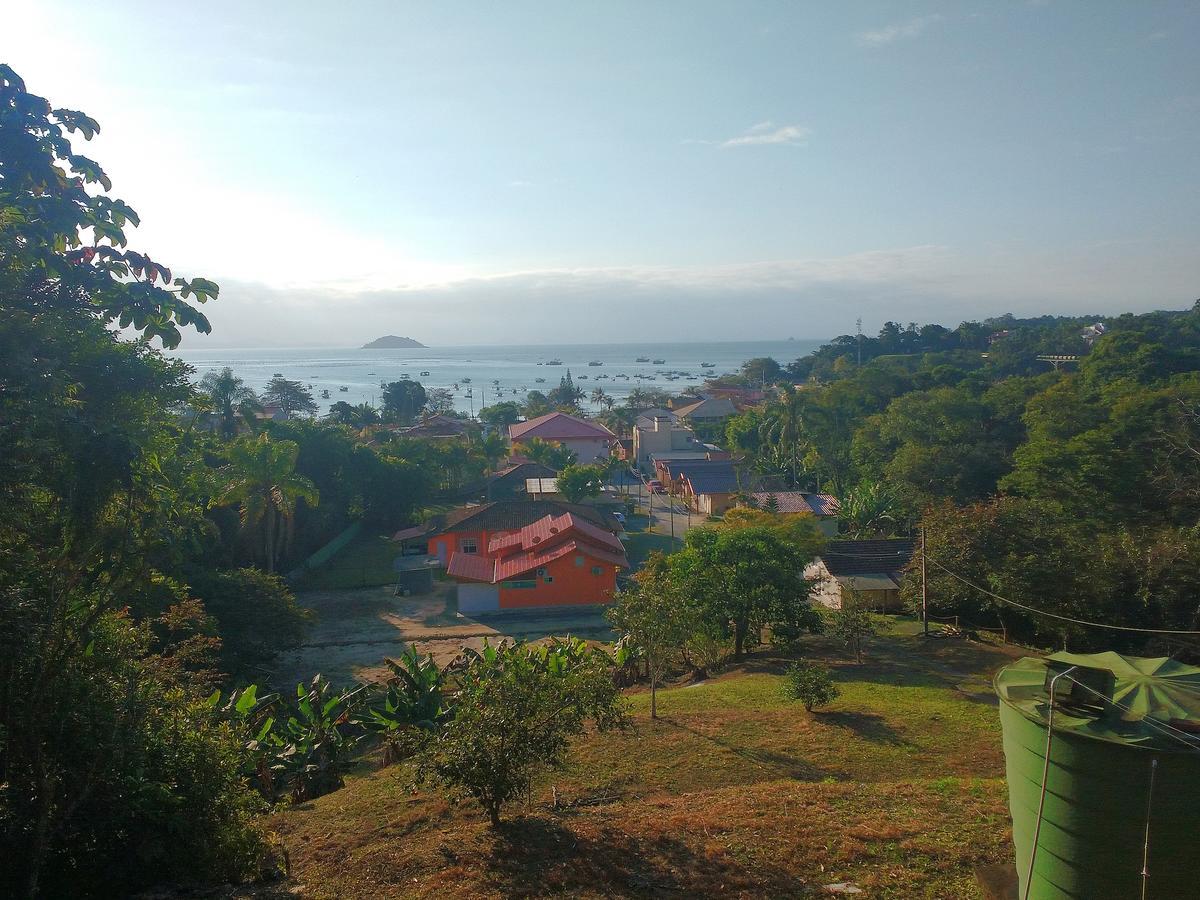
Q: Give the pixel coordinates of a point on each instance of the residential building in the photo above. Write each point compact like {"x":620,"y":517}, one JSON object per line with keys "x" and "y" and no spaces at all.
{"x":871,"y":568}
{"x":510,"y":483}
{"x":590,"y":441}
{"x":707,"y":409}
{"x":560,"y":559}
{"x":824,"y":507}
{"x":709,"y":485}
{"x":661,"y":436}
{"x":470,"y":528}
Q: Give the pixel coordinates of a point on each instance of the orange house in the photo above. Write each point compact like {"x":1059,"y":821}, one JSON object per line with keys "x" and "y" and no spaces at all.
{"x":559,"y":560}
{"x":469,"y":529}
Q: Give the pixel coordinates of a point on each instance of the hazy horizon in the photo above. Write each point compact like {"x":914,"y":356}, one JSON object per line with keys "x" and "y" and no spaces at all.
{"x":497,"y":174}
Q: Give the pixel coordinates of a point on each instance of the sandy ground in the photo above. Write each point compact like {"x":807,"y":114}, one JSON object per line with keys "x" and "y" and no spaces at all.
{"x":355,"y":631}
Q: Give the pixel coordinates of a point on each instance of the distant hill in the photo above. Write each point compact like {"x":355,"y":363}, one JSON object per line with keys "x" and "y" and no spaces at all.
{"x":392,"y":342}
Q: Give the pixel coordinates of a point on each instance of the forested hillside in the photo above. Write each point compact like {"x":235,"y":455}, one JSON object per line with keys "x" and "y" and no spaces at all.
{"x":1070,"y":486}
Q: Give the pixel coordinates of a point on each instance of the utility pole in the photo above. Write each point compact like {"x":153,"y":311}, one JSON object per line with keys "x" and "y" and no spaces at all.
{"x":860,"y":342}
{"x":924,"y":589}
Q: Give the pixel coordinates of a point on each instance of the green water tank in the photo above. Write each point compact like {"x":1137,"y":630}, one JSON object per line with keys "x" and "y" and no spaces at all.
{"x":1099,"y":806}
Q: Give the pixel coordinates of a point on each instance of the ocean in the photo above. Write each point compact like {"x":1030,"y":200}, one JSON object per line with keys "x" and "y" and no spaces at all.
{"x":482,"y":375}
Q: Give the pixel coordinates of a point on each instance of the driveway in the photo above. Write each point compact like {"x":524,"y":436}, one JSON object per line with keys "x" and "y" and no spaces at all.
{"x":356,"y":630}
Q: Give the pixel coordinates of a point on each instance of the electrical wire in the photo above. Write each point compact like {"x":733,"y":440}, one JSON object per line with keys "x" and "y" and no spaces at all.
{"x":1042,"y":612}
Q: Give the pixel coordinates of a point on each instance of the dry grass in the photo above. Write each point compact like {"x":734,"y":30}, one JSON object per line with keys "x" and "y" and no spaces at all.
{"x":896,"y":787}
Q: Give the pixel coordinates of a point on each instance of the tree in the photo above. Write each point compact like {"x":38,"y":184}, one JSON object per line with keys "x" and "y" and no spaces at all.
{"x":654,"y":618}
{"x":403,"y":401}
{"x":229,"y":397}
{"x":500,"y":415}
{"x":598,"y":397}
{"x":104,"y":734}
{"x":619,"y":421}
{"x":870,"y":509}
{"x":515,"y":708}
{"x":761,"y":369}
{"x":290,"y":396}
{"x":567,"y":394}
{"x":576,"y":483}
{"x":262,"y":481}
{"x":439,"y":401}
{"x":747,"y":578}
{"x":853,"y":623}
{"x":536,"y":404}
{"x":809,"y":683}
{"x":548,"y":453}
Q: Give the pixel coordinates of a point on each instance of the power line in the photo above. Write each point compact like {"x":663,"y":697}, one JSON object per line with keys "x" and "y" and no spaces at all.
{"x":1042,"y":612}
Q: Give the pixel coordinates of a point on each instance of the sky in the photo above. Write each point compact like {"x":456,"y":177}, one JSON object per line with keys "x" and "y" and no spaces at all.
{"x":481,"y":173}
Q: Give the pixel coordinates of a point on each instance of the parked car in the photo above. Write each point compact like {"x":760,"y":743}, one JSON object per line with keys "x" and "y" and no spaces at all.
{"x":620,"y":517}
{"x":656,"y":486}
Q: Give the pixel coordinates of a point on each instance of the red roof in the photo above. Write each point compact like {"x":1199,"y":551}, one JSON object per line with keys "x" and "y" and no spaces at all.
{"x":549,"y":529}
{"x":558,"y":426}
{"x":535,"y":545}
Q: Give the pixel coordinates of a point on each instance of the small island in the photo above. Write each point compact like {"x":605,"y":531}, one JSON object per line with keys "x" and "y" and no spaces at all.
{"x":392,"y":342}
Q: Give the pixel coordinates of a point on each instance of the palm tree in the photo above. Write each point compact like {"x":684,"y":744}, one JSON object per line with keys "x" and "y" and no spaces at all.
{"x":783,"y":426}
{"x":229,"y":396}
{"x":619,"y":421}
{"x":262,"y":480}
{"x":870,"y":509}
{"x":548,"y":453}
{"x":598,"y":396}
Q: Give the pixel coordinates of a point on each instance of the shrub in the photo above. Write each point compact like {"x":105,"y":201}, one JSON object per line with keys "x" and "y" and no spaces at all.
{"x":256,"y":613}
{"x":809,"y":683}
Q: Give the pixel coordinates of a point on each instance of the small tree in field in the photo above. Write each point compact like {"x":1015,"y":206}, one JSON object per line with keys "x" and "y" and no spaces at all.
{"x":809,"y":683}
{"x":514,"y":711}
{"x":654,"y":616}
{"x":854,"y":623}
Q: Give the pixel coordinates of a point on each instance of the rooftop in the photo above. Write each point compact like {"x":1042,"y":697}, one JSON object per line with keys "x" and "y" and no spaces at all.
{"x":798,"y":502}
{"x":867,"y":557}
{"x":557,"y":426}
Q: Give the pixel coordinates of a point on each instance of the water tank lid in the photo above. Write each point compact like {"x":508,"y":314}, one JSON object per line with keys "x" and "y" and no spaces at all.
{"x":1155,"y":693}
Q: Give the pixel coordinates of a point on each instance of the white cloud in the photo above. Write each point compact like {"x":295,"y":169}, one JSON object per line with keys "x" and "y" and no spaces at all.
{"x":762,"y":134}
{"x":768,"y":133}
{"x":898,"y":31}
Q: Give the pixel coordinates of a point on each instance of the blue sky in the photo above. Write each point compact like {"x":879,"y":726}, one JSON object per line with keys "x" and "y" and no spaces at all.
{"x":475,"y":173}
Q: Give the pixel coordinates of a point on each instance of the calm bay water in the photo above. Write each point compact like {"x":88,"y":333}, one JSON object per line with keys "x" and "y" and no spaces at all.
{"x":482,"y":375}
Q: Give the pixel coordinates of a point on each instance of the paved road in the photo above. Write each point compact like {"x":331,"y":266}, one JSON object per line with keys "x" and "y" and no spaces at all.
{"x":667,"y":515}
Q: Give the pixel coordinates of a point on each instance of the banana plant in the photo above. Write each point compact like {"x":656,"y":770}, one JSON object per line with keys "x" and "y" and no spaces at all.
{"x":411,"y":703}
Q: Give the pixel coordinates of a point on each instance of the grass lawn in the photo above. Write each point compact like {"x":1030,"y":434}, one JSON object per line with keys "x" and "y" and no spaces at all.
{"x":364,"y":562}
{"x":896,"y":787}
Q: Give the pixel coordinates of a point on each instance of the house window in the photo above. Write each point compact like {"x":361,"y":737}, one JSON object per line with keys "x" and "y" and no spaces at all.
{"x":519,"y":585}
{"x":548,"y":579}
{"x":468,"y":545}
{"x":596,"y":570}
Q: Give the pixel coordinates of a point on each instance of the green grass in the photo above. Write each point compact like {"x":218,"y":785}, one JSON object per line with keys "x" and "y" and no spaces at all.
{"x":897,"y":787}
{"x":364,"y":562}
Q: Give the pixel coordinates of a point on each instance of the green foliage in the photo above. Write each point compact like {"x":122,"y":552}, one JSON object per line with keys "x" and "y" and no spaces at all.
{"x":501,"y":415}
{"x":536,"y":404}
{"x":548,"y":453}
{"x":290,"y":396}
{"x":515,"y":709}
{"x":654,"y":619}
{"x":412,"y":705}
{"x":229,"y":396}
{"x":299,"y":750}
{"x":439,"y":401}
{"x":577,"y":483}
{"x":256,"y":613}
{"x":747,"y":578}
{"x":356,"y":416}
{"x":870,"y":509}
{"x":854,"y":624}
{"x":53,"y":199}
{"x":810,"y":684}
{"x":567,"y":395}
{"x":261,"y":479}
{"x":403,"y":401}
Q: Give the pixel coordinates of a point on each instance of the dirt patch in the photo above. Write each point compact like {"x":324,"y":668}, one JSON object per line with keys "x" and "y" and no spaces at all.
{"x":356,"y":630}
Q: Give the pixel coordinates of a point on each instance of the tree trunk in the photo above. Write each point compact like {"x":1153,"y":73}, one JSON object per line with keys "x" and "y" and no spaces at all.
{"x":740,"y":629}
{"x":494,"y":814}
{"x":269,"y":548}
{"x":653,"y":693}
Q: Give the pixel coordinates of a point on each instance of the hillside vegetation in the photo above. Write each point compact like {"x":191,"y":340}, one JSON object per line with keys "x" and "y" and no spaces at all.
{"x":895,"y":787}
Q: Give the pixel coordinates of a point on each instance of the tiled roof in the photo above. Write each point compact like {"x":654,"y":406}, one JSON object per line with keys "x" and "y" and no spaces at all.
{"x":558,"y":426}
{"x":509,"y":515}
{"x":476,"y":567}
{"x":712,"y":482}
{"x":798,"y":502}
{"x":517,"y":473}
{"x":406,"y":534}
{"x":867,"y":557}
{"x":708,"y":408}
{"x":550,"y":528}
{"x":680,"y":468}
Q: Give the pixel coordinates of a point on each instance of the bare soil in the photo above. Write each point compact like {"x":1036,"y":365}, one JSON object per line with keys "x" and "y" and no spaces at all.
{"x":355,"y":631}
